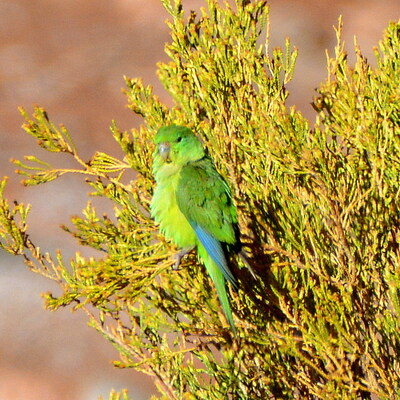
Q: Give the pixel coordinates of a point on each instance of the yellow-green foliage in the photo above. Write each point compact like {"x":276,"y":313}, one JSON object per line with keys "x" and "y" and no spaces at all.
{"x":318,"y":209}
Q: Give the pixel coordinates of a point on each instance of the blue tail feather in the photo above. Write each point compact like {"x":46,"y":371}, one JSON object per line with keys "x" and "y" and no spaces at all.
{"x":216,"y":252}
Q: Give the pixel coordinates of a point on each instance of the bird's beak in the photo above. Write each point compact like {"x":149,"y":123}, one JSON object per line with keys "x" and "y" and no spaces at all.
{"x":164,"y":150}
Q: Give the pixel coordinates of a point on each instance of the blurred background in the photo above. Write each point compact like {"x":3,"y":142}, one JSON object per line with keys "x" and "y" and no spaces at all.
{"x":70,"y":57}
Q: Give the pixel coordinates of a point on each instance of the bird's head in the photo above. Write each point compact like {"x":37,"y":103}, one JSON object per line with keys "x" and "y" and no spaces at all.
{"x":177,"y":145}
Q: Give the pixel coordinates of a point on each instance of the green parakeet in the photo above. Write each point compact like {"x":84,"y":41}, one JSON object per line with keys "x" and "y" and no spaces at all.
{"x":193,"y":205}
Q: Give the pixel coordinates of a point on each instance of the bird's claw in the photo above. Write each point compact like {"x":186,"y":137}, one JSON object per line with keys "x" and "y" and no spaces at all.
{"x":178,"y":257}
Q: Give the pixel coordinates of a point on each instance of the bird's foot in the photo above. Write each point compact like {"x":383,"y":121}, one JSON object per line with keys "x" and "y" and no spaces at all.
{"x":178,"y":257}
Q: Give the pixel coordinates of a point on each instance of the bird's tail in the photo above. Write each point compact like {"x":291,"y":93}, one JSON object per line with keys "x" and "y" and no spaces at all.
{"x":219,"y":282}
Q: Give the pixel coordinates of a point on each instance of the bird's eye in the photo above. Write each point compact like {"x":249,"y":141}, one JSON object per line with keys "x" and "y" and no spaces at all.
{"x":178,"y":140}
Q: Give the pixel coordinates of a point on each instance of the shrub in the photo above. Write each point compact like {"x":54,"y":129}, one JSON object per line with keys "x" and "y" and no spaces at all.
{"x":318,"y":209}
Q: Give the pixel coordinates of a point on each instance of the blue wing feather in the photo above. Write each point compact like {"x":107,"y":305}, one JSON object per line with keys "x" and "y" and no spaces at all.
{"x":214,"y":249}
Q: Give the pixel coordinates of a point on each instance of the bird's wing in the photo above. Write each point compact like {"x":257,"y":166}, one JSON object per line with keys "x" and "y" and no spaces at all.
{"x":204,"y":198}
